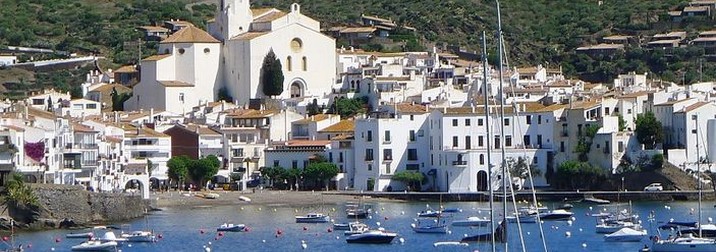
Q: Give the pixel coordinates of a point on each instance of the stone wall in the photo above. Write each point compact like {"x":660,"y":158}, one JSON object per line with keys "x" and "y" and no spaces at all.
{"x":60,"y":202}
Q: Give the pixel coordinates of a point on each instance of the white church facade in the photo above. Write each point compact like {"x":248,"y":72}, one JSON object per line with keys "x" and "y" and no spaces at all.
{"x":193,"y":65}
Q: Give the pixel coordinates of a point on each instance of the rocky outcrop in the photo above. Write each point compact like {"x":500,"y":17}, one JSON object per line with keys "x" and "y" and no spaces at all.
{"x":74,"y":206}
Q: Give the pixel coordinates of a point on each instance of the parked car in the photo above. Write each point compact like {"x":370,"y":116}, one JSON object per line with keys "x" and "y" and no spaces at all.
{"x":654,"y":187}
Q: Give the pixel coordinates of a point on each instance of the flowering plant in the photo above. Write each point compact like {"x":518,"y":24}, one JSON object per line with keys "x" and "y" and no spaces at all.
{"x":36,"y":151}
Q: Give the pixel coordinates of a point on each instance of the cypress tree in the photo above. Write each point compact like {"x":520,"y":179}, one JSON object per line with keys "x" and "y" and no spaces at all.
{"x":272,"y":75}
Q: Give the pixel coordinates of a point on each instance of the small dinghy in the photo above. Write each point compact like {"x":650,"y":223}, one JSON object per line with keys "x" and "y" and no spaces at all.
{"x":231,"y":227}
{"x":95,"y":245}
{"x":84,"y":235}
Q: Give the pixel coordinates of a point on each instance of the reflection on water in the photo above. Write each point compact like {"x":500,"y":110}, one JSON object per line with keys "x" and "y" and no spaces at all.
{"x":181,"y":229}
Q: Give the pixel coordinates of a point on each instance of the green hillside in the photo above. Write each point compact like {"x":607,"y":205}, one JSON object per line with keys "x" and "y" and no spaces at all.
{"x":536,"y":31}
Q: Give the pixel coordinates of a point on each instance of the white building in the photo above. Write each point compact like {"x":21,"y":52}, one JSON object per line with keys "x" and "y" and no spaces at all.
{"x":79,"y":108}
{"x":297,"y":154}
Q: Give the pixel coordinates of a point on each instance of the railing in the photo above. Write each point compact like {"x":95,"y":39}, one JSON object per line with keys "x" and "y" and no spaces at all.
{"x":459,"y":162}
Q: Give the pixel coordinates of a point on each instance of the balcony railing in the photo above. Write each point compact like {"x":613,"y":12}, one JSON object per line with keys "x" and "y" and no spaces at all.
{"x":459,"y":163}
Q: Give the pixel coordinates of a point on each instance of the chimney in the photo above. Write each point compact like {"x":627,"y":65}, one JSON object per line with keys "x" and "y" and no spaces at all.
{"x":151,"y":115}
{"x":116,"y":117}
{"x":25,"y":113}
{"x":472,"y":106}
{"x":223,"y":103}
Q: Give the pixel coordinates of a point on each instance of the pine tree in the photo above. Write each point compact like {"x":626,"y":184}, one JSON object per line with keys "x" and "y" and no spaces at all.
{"x":272,"y":75}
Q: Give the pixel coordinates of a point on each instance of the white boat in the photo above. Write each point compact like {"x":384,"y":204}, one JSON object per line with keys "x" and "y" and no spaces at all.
{"x":626,"y":235}
{"x":472,"y":222}
{"x":139,"y":236}
{"x":230,"y":228}
{"x":312,"y":218}
{"x":110,"y":236}
{"x":372,"y":236}
{"x":84,"y":235}
{"x":430,"y":226}
{"x":356,"y":228}
{"x":557,"y":214}
{"x":244,"y":198}
{"x":95,"y":245}
{"x":343,"y":226}
{"x":613,"y":226}
{"x":684,"y":243}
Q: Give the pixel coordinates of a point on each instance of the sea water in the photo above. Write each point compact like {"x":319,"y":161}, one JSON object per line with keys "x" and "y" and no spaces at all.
{"x":192,"y":229}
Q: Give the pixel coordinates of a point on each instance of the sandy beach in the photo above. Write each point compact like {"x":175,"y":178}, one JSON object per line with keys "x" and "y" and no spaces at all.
{"x":181,"y":199}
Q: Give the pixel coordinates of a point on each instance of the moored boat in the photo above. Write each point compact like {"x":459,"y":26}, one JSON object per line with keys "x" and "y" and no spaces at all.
{"x":84,"y":235}
{"x":372,"y":237}
{"x":312,"y":218}
{"x":557,"y":214}
{"x":139,"y":236}
{"x":471,"y":222}
{"x":613,"y":226}
{"x":230,"y":227}
{"x":356,"y":228}
{"x":625,"y":235}
{"x":110,"y":236}
{"x":95,"y":245}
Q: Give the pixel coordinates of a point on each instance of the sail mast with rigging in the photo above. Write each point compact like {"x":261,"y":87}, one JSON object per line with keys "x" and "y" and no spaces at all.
{"x":487,"y":126}
{"x":502,"y":117}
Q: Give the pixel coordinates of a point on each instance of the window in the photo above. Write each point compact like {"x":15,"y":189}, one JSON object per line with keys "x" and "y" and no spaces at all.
{"x":480,"y":141}
{"x":454,"y":122}
{"x":412,"y":136}
{"x":539,"y":119}
{"x":91,"y":106}
{"x":535,"y":160}
{"x":467,"y":122}
{"x":296,"y":45}
{"x":467,"y":143}
{"x":239,"y":152}
{"x":181,"y":97}
{"x":276,"y":163}
{"x":526,"y":140}
{"x":387,"y":154}
{"x":387,"y":136}
{"x":370,"y":167}
{"x":369,"y":137}
{"x":294,"y":164}
{"x":288,"y":64}
{"x":330,"y":157}
{"x":479,"y":122}
{"x":77,"y":106}
{"x":628,"y":111}
{"x":181,"y":50}
{"x":368,"y":154}
{"x":207,"y":50}
{"x":508,"y":141}
{"x":606,"y":111}
{"x":482,"y":159}
{"x":412,"y":154}
{"x":497,"y":142}
{"x":454,"y":142}
{"x":413,"y":117}
{"x":539,"y":140}
{"x":304,"y":63}
{"x":507,"y":121}
{"x":340,"y":157}
{"x":529,"y":119}
{"x":412,"y":167}
{"x":38,"y":102}
{"x":561,"y":146}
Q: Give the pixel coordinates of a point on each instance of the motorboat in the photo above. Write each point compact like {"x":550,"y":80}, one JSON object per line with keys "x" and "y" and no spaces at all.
{"x":429,"y":213}
{"x":110,"y":236}
{"x":230,"y":227}
{"x":499,"y":234}
{"x":211,"y":195}
{"x":613,"y":226}
{"x":522,"y":219}
{"x":452,"y":210}
{"x":566,"y":206}
{"x":356,"y":228}
{"x":313,"y":218}
{"x":472,"y":222}
{"x":139,"y":236}
{"x":84,"y":235}
{"x":430,"y":226}
{"x":593,"y":200}
{"x":343,"y":226}
{"x":357,"y":213}
{"x":556,"y":214}
{"x":626,"y":235}
{"x":707,"y":231}
{"x":95,"y":245}
{"x":685,"y":243}
{"x":245,"y":199}
{"x":372,"y":237}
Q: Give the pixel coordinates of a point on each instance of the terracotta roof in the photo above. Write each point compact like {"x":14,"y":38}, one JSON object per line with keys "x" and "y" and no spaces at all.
{"x":203,"y":130}
{"x":154,"y":28}
{"x":260,"y":11}
{"x":248,"y":35}
{"x":342,"y":126}
{"x":552,"y":108}
{"x":584,"y":104}
{"x":411,"y":108}
{"x":270,"y":16}
{"x":251,"y":113}
{"x":480,"y":110}
{"x":156,"y":57}
{"x":636,"y":94}
{"x":190,"y":34}
{"x":143,"y":132}
{"x":358,"y":29}
{"x":308,"y":142}
{"x":76,"y":127}
{"x":527,"y":70}
{"x":108,"y":88}
{"x":127,"y":69}
{"x":112,"y":139}
{"x":40,"y":113}
{"x":694,"y":106}
{"x":315,"y":118}
{"x":175,"y":84}
{"x":343,"y":137}
{"x":531,"y":106}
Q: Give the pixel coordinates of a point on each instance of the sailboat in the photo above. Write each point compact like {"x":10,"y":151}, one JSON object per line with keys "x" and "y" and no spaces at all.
{"x":687,"y":242}
{"x":428,"y":225}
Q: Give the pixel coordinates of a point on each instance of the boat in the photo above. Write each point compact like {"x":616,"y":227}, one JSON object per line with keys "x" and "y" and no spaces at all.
{"x":342,"y":226}
{"x":95,"y":245}
{"x":452,"y":210}
{"x":593,"y":200}
{"x":556,"y":214}
{"x":110,"y":236}
{"x":707,"y":230}
{"x":230,"y":227}
{"x":429,"y":213}
{"x":522,"y":219}
{"x":613,"y":226}
{"x":312,"y":218}
{"x":357,"y":213}
{"x":139,"y":236}
{"x":450,"y":243}
{"x":471,"y":222}
{"x":500,"y":235}
{"x":430,"y":226}
{"x":625,"y":235}
{"x":84,"y":235}
{"x":566,"y":206}
{"x":244,"y":198}
{"x":356,"y":228}
{"x":372,"y":237}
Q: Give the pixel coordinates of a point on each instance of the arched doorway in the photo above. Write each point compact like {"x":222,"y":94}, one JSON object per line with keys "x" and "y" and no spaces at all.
{"x":296,"y":89}
{"x":134,"y":186}
{"x":482,"y":181}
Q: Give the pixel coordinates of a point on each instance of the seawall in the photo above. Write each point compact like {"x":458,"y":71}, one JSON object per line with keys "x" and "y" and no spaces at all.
{"x":76,"y":206}
{"x":540,"y":195}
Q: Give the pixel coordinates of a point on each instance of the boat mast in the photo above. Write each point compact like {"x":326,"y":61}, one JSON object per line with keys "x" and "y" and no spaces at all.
{"x":485,"y":94}
{"x":502,"y":117}
{"x":698,"y":167}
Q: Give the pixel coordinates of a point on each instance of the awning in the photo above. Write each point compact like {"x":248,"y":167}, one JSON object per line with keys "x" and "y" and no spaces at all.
{"x":82,"y":179}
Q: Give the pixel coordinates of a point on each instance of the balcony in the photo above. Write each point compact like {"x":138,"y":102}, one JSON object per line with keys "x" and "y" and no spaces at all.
{"x":239,"y":169}
{"x":459,"y":163}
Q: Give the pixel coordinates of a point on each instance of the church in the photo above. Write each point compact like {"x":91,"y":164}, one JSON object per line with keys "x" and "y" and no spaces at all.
{"x":193,"y":65}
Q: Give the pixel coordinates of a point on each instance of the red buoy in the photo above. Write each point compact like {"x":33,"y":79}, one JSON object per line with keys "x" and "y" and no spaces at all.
{"x":58,"y":240}
{"x":305,"y":228}
{"x":160,"y":236}
{"x":330,"y":230}
{"x":201,"y":231}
